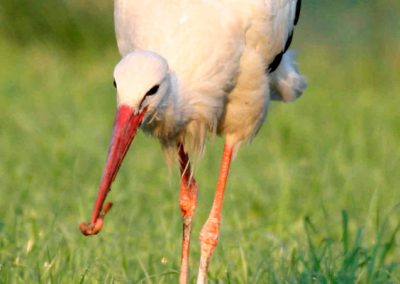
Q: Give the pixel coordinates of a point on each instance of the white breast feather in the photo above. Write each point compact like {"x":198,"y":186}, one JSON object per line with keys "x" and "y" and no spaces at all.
{"x":204,"y":42}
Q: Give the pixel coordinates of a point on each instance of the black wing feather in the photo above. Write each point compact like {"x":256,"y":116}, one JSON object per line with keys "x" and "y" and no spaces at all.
{"x":278,"y":58}
{"x":298,"y":8}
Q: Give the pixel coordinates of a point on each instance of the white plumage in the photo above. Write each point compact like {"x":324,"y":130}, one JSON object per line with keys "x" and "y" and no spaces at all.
{"x":193,"y":68}
{"x":217,"y":54}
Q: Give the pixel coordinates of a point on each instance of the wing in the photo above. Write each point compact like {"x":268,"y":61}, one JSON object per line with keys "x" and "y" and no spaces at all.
{"x":283,"y":17}
{"x":285,"y":80}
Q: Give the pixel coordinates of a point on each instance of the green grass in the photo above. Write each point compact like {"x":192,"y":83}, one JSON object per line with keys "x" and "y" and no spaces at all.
{"x":314,"y":199}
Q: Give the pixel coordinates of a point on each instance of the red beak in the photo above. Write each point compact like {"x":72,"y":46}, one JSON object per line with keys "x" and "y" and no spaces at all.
{"x":125,"y":127}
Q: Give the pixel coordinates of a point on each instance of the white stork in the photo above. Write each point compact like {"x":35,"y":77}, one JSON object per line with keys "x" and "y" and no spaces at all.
{"x":191,"y":68}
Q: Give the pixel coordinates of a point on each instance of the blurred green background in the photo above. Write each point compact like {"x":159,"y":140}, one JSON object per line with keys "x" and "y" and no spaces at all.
{"x":314,"y":199}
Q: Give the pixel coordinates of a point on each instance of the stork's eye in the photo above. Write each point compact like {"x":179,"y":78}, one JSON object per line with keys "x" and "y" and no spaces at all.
{"x":115,"y":84}
{"x":153,"y":90}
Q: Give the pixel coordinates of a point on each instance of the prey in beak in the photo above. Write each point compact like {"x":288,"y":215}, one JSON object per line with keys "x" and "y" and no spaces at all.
{"x":125,"y":128}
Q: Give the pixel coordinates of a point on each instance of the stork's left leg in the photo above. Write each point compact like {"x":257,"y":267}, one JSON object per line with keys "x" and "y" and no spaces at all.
{"x":209,"y":232}
{"x":187,"y":202}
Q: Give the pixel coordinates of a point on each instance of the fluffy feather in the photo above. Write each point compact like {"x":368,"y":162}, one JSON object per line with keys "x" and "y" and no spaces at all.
{"x":217,"y":52}
{"x":287,"y":84}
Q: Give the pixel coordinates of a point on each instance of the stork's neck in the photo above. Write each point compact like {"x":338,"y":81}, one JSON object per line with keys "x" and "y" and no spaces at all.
{"x":167,"y":120}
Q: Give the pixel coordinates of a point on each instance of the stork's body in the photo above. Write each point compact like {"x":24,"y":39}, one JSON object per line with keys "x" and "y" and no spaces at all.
{"x":217,"y":52}
{"x":190,"y":68}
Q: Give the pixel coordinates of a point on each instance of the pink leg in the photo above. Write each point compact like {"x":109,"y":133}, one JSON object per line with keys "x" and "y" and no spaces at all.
{"x":209,"y":232}
{"x":187,"y":202}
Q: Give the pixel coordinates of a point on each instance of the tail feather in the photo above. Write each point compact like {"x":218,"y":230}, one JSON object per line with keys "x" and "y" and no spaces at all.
{"x":286,"y":82}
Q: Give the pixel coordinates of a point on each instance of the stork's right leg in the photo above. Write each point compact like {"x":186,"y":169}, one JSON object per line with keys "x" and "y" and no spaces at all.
{"x":210,"y":231}
{"x":187,"y":202}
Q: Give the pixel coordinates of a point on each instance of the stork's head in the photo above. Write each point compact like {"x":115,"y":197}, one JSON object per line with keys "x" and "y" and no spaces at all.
{"x":142,"y":82}
{"x":141,"y":79}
